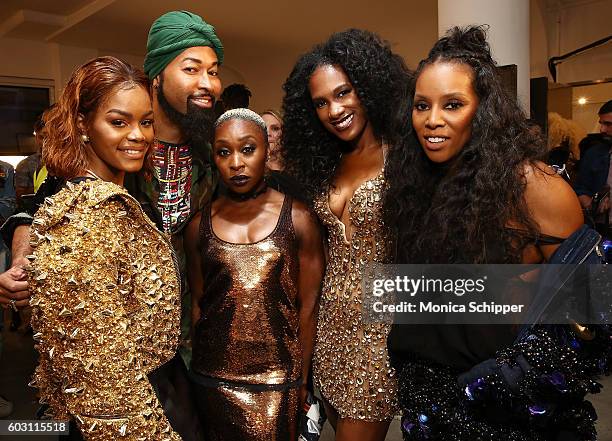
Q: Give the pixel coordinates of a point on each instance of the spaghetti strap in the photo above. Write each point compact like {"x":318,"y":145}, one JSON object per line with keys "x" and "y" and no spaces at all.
{"x":540,"y":238}
{"x":545,"y":239}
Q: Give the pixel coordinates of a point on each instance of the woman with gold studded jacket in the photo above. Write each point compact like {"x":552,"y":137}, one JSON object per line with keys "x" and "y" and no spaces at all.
{"x":105,"y":293}
{"x":104,"y":280}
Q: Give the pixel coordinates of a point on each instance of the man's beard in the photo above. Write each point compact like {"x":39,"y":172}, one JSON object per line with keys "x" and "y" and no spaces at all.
{"x":197,"y":124}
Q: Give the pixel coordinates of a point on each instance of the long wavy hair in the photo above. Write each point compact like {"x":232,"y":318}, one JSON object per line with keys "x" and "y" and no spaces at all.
{"x":63,"y":150}
{"x":380,"y":78}
{"x":460,"y":212}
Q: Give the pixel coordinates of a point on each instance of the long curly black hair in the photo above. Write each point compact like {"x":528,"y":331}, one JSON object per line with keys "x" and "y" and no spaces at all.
{"x":380,"y":78}
{"x":459,"y":212}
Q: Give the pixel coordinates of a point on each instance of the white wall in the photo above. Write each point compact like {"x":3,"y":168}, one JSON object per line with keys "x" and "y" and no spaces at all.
{"x":538,"y":40}
{"x":566,"y":28}
{"x":25,"y":58}
{"x":49,"y":61}
{"x":581,"y":25}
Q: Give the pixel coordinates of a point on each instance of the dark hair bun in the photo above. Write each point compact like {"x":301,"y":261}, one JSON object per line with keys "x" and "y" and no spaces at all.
{"x":464,"y":42}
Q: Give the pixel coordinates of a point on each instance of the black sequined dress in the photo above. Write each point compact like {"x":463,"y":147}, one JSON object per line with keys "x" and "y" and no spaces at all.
{"x":468,"y":382}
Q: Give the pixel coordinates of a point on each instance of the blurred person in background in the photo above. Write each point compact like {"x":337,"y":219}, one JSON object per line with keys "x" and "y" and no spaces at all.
{"x":563,"y":138}
{"x":30,"y":172}
{"x":274,"y":124}
{"x":235,"y":96}
{"x":7,"y":207}
{"x":595,"y":173}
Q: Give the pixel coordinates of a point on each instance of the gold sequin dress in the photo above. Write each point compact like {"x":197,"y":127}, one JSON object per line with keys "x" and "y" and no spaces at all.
{"x":106,"y":311}
{"x":247,"y":358}
{"x":351,"y":366}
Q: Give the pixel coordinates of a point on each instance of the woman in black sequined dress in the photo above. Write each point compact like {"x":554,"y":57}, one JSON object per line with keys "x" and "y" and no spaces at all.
{"x":474,"y":191}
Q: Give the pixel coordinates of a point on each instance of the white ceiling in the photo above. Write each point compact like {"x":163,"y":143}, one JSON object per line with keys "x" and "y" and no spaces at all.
{"x":262,"y":38}
{"x":121,"y":26}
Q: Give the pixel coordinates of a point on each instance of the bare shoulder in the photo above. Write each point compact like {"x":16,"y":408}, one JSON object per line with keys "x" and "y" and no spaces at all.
{"x":553,"y":204}
{"x":193,"y":228}
{"x":276,"y":197}
{"x":214,"y":207}
{"x":300,"y":210}
{"x":304,"y":219}
{"x":195,"y":220}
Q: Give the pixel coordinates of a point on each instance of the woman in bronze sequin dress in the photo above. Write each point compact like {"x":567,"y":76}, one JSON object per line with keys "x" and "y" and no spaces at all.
{"x":342,"y":108}
{"x":104,"y":281}
{"x":255,"y":267}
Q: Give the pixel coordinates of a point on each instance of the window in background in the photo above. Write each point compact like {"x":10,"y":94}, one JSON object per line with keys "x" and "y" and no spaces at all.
{"x":22,"y":100}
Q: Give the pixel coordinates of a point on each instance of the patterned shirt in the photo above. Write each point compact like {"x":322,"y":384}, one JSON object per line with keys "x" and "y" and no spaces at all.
{"x":172,"y":164}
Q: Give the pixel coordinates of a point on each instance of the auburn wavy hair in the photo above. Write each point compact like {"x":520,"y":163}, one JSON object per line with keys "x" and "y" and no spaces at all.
{"x":63,"y":150}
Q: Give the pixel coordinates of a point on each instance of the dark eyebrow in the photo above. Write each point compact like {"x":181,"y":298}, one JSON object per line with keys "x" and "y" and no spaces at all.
{"x":448,"y":95}
{"x":195,"y":60}
{"x":243,"y":138}
{"x":247,"y":137}
{"x":198,"y":61}
{"x":342,"y":86}
{"x":335,"y":91}
{"x":128,"y":114}
{"x":120,"y":112}
{"x":456,"y":95}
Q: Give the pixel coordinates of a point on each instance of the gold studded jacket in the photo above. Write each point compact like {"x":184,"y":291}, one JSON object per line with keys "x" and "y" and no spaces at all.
{"x":106,"y":311}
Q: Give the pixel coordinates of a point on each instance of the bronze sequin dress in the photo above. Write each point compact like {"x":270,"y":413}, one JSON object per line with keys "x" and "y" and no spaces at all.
{"x":247,"y":360}
{"x":106,"y":310}
{"x":350,"y":365}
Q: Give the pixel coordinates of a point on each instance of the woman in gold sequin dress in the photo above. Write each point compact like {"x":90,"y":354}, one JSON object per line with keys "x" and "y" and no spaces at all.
{"x":340,"y":119}
{"x":255,"y":265}
{"x":104,"y":282}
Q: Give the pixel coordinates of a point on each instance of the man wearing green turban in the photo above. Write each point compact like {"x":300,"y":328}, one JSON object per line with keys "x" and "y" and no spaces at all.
{"x":182,"y":61}
{"x":174,"y":32}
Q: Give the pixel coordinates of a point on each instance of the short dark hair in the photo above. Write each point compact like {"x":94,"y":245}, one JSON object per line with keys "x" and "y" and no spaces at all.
{"x":606,"y":108}
{"x":236,"y":96}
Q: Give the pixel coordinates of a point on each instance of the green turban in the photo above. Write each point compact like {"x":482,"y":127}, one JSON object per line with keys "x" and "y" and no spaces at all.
{"x":174,"y":32}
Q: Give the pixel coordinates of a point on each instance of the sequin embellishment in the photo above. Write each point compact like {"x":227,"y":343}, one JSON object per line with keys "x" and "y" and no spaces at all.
{"x":351,"y":365}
